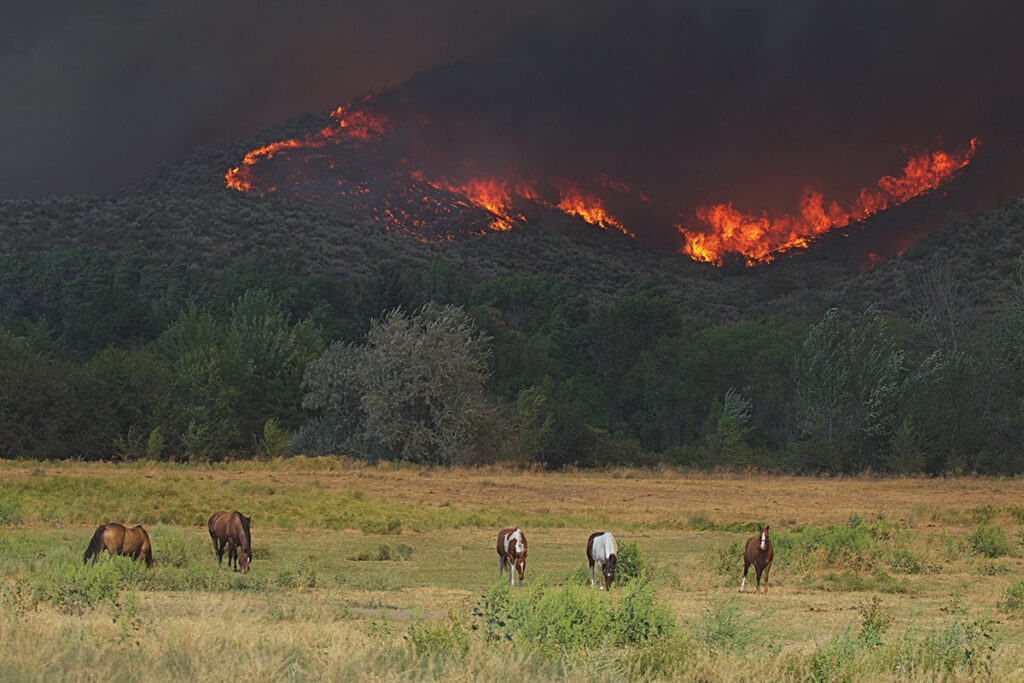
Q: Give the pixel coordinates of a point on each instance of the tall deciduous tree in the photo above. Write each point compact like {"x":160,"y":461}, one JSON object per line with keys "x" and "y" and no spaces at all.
{"x":419,"y":381}
{"x":848,"y":382}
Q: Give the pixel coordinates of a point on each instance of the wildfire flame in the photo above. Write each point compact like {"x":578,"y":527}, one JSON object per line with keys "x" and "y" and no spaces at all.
{"x":760,"y":238}
{"x":493,"y":195}
{"x":428,"y":205}
{"x":353,"y":124}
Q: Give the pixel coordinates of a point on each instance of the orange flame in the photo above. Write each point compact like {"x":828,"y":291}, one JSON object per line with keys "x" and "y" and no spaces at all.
{"x":351,"y":124}
{"x":588,"y":207}
{"x":760,"y":238}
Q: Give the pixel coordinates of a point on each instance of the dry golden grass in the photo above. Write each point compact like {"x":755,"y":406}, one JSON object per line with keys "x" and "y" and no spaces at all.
{"x":626,"y":496}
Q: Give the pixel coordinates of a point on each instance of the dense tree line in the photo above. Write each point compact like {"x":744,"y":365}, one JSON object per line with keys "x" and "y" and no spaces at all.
{"x":109,"y":354}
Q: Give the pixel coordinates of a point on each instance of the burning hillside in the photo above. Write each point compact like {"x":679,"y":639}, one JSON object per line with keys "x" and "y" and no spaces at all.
{"x":352,"y":167}
{"x":685,"y":128}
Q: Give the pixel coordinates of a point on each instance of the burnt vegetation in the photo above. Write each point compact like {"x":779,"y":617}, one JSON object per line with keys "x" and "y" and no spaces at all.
{"x":180,"y":319}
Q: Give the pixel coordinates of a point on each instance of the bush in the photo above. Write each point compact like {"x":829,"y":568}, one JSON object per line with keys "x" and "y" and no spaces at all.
{"x":573,"y":617}
{"x":74,"y":587}
{"x":876,"y":619}
{"x":438,"y":638}
{"x":1013,"y":598}
{"x":989,"y":540}
{"x":630,"y":564}
{"x":722,"y":626}
{"x":963,"y":646}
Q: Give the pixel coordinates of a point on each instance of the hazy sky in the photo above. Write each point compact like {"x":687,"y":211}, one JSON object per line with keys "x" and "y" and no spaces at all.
{"x":96,"y":94}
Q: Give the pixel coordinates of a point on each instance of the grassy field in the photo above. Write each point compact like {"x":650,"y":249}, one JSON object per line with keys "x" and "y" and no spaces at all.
{"x":389,"y":572}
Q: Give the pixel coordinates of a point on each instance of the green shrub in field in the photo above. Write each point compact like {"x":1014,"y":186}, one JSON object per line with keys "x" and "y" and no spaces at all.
{"x":573,"y":617}
{"x":989,"y":540}
{"x":834,"y":660}
{"x":1013,"y":598}
{"x":961,"y":647}
{"x":722,"y":627}
{"x":75,"y":587}
{"x":875,"y":620}
{"x":630,"y":564}
{"x":904,"y":561}
{"x":301,"y":575}
{"x":438,"y":637}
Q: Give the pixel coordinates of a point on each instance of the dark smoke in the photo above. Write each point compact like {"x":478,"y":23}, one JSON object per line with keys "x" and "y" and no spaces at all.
{"x":96,"y":94}
{"x":737,"y":101}
{"x":694,"y":102}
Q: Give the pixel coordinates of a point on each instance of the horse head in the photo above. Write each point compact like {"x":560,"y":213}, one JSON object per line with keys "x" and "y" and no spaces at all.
{"x":764,"y":541}
{"x":244,"y":557}
{"x":609,"y":571}
{"x":521,"y":557}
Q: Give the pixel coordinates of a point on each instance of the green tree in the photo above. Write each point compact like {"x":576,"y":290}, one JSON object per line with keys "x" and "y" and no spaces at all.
{"x":50,"y":408}
{"x":822,"y":375}
{"x":419,"y":381}
{"x":848,"y":381}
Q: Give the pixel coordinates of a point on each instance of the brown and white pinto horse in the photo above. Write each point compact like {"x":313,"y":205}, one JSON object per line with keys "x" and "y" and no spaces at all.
{"x":231,"y":529}
{"x":759,"y":553}
{"x":603,"y":551}
{"x":512,"y":550}
{"x":117,"y":539}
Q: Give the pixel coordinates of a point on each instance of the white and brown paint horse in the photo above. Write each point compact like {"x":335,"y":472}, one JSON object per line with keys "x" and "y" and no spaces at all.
{"x":604,"y":552}
{"x":512,"y":550}
{"x":759,"y":553}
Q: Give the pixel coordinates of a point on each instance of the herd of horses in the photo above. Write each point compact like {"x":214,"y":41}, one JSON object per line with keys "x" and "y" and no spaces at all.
{"x":227,"y":530}
{"x":603,"y":552}
{"x":230,"y":530}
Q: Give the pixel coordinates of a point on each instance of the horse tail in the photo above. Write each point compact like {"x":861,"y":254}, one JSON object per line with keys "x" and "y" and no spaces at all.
{"x":147,"y":549}
{"x":95,"y":545}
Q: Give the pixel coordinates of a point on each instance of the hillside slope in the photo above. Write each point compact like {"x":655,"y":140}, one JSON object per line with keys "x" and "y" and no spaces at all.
{"x":183,"y":212}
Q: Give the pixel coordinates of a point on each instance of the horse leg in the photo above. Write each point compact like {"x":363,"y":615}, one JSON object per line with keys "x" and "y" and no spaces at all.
{"x":766,"y":568}
{"x":591,"y":573}
{"x":746,"y":567}
{"x":501,"y":566}
{"x":600,"y":570}
{"x":511,"y":570}
{"x":758,"y":569}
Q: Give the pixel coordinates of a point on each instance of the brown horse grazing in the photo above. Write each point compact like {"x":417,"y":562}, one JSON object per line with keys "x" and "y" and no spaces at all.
{"x":760,"y":554}
{"x":512,"y":549}
{"x":117,"y":539}
{"x":231,"y":529}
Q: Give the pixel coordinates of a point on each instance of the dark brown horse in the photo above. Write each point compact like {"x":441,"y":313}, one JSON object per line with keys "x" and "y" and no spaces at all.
{"x":117,"y":539}
{"x":512,"y":550}
{"x":760,"y":554}
{"x":231,"y":529}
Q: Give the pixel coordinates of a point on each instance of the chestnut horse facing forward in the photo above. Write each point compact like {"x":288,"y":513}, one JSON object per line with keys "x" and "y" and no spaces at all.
{"x":512,"y":550}
{"x":760,"y":554}
{"x":231,"y":529}
{"x":117,"y":539}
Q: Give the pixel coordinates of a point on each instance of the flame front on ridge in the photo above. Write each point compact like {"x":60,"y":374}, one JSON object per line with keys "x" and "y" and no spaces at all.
{"x":760,"y":237}
{"x":484,"y":203}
